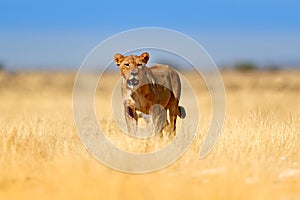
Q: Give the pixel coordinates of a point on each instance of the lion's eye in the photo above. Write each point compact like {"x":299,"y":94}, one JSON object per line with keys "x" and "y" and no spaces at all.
{"x":127,"y":64}
{"x":139,"y":64}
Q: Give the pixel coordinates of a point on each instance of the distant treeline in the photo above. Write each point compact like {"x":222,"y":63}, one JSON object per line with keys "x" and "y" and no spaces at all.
{"x":249,"y":66}
{"x":239,"y":66}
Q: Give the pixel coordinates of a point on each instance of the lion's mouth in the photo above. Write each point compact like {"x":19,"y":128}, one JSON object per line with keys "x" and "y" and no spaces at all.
{"x":132,"y":82}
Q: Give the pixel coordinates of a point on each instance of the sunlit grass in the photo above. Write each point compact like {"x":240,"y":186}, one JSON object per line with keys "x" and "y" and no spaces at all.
{"x":257,"y":156}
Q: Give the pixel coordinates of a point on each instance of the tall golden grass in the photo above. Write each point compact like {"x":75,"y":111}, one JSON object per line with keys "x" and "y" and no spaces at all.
{"x":257,"y":156}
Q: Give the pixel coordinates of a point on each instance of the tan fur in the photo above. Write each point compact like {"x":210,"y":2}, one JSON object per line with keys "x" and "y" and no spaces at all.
{"x":151,"y":90}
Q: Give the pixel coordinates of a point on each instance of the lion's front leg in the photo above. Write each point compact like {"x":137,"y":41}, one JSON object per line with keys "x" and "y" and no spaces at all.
{"x":131,"y":117}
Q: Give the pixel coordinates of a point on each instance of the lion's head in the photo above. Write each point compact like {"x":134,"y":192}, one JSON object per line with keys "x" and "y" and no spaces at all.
{"x":132,"y":68}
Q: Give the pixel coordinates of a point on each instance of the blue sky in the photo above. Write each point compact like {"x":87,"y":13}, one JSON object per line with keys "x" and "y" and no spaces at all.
{"x":59,"y":34}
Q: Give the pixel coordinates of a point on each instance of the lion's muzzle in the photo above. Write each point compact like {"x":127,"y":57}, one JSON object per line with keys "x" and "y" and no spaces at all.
{"x":133,"y":81}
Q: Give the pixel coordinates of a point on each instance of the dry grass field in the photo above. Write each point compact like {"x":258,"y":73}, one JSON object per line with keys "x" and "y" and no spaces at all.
{"x":257,"y":156}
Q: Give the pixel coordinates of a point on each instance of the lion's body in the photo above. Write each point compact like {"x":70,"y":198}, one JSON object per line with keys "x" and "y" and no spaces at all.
{"x":152,"y":91}
{"x":165,"y":90}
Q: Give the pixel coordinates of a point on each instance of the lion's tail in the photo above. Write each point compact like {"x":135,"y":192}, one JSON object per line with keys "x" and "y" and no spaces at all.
{"x":181,"y":113}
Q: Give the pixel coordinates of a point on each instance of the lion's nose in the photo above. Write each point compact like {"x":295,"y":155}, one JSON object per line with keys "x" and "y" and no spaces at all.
{"x":134,"y":74}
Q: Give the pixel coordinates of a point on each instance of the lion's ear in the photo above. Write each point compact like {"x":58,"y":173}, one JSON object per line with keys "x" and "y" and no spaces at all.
{"x":145,"y":57}
{"x":118,"y":58}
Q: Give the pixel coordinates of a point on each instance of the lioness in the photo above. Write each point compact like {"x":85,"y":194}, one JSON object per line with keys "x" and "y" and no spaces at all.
{"x":151,"y":91}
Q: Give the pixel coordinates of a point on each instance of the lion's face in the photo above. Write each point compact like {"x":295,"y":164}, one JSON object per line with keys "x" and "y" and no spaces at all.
{"x":132,"y":67}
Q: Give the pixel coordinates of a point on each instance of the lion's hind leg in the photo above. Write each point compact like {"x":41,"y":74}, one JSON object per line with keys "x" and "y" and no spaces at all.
{"x":159,"y":118}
